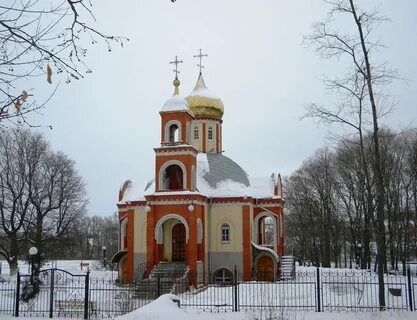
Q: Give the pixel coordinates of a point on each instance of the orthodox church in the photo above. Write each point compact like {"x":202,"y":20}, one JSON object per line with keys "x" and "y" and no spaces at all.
{"x":201,"y":208}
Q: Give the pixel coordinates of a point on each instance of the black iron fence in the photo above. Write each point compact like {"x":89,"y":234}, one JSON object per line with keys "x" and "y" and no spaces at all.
{"x":58,"y":293}
{"x":311,"y":290}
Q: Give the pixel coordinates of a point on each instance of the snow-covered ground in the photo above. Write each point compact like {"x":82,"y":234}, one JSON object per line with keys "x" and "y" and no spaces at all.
{"x":73,"y":266}
{"x":256,"y":300}
{"x":165,"y":308}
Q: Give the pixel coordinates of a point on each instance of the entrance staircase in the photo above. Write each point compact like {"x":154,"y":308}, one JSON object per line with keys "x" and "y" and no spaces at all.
{"x":163,"y":279}
{"x":287,"y":268}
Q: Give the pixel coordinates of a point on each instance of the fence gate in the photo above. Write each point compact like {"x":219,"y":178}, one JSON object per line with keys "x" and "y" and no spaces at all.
{"x":53,"y":293}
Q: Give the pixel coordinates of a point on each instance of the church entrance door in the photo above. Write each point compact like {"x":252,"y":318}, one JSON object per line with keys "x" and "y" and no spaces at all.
{"x":265,"y":269}
{"x":178,"y":242}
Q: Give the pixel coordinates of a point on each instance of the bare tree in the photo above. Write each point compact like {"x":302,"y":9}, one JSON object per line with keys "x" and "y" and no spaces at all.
{"x":358,"y":45}
{"x":58,"y":198}
{"x":42,"y":38}
{"x":20,"y":154}
{"x":41,"y":194}
{"x":314,"y":211}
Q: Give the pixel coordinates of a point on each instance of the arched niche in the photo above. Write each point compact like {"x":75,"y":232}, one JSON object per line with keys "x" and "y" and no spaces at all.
{"x":172,"y":176}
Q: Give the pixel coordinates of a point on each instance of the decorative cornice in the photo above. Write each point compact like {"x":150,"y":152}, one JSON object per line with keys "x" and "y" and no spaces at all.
{"x":176,"y":148}
{"x":163,"y":199}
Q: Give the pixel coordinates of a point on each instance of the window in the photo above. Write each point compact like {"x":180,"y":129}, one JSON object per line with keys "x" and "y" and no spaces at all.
{"x":196,"y":133}
{"x":210,"y":133}
{"x":174,"y":133}
{"x":223,"y":277}
{"x":225,"y":233}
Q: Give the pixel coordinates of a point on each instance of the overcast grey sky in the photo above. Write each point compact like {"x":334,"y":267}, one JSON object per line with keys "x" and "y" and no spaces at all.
{"x":109,"y":121}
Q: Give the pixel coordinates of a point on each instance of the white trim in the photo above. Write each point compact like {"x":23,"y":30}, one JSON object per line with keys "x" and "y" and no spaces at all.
{"x":188,"y":133}
{"x":166,"y":165}
{"x":193,"y":178}
{"x":266,"y":250}
{"x":159,"y":233}
{"x":199,"y":231}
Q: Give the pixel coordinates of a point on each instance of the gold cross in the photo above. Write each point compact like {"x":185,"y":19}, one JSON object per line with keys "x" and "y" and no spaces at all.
{"x":200,"y":56}
{"x":176,"y":62}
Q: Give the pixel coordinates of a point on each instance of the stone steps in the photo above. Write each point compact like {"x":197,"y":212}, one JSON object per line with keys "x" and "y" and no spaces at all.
{"x":168,"y":273}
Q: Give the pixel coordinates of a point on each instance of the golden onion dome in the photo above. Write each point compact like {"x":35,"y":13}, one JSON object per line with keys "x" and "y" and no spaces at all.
{"x":203,"y":103}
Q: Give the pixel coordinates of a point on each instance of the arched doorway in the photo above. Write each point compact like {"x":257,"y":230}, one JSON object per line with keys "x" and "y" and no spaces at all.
{"x":178,"y":242}
{"x":265,"y":270}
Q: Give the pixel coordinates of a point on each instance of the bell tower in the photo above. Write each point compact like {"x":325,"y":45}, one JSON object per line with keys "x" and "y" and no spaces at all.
{"x":175,"y":159}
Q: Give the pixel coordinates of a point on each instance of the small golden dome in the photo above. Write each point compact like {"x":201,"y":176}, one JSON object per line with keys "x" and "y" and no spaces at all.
{"x":203,"y":103}
{"x":176,"y":102}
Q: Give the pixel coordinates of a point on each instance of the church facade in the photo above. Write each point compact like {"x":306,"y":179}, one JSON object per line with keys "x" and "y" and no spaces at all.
{"x":201,"y":207}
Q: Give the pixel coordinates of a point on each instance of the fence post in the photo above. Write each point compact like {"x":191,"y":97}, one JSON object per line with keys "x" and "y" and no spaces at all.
{"x":16,"y":313}
{"x":410,"y":289}
{"x":51,"y":294}
{"x":158,"y":287}
{"x":86,"y":294}
{"x":318,"y":290}
{"x":236,"y":291}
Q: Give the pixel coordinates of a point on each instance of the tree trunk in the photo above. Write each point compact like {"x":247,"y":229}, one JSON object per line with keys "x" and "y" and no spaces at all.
{"x":13,"y":254}
{"x":380,"y":198}
{"x":39,"y":242}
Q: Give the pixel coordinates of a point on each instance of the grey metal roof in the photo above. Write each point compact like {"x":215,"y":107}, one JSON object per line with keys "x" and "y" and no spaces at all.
{"x":223,"y":168}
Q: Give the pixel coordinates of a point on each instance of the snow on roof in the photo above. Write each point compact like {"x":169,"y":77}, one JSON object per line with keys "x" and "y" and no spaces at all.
{"x":261,"y":186}
{"x":217,"y":176}
{"x":175,"y":103}
{"x":220,"y":168}
{"x":201,"y":90}
{"x":133,"y":192}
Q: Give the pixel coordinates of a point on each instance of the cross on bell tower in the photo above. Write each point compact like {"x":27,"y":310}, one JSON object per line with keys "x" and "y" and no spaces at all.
{"x":200,"y":56}
{"x":176,"y":62}
{"x":176,"y":82}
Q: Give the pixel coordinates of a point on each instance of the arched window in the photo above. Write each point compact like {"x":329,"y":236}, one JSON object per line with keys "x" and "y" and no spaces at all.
{"x":223,"y":276}
{"x":225,"y":233}
{"x":196,"y":133}
{"x":266,"y":227}
{"x":173,"y":178}
{"x":174,"y":133}
{"x":210,"y":133}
